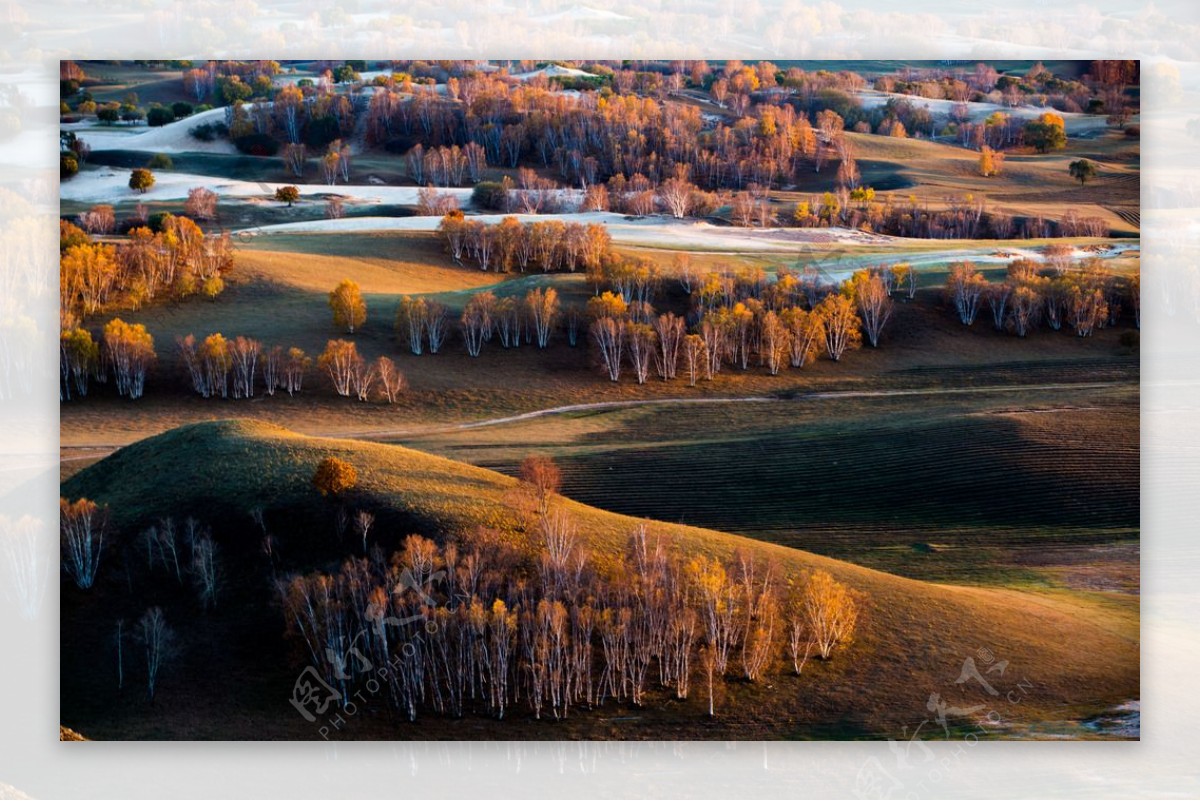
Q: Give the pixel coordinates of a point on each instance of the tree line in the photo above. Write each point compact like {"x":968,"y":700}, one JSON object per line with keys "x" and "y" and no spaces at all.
{"x":1084,"y":296}
{"x":507,"y":246}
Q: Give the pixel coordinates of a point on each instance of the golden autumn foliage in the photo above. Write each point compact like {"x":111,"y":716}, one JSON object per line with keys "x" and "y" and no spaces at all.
{"x":334,"y":476}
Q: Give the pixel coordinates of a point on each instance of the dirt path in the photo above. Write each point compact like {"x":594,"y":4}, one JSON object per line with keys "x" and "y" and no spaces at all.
{"x":97,"y":450}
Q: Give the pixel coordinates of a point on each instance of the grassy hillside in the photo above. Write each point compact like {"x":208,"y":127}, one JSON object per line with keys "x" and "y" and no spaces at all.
{"x":1077,"y":653}
{"x":1025,"y":485}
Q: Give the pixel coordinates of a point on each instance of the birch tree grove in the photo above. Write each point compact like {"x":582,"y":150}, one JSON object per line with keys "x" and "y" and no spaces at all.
{"x":482,"y":627}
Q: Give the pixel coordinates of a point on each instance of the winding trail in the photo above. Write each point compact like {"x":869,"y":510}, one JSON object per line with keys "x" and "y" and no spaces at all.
{"x":100,"y":450}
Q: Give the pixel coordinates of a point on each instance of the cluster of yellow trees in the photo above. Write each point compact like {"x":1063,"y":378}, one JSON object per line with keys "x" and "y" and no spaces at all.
{"x":510,"y":245}
{"x":179,"y":260}
{"x":485,"y":627}
{"x":1085,"y":296}
{"x":125,"y":351}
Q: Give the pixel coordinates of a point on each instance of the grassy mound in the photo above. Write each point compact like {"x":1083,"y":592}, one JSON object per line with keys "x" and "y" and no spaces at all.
{"x":1074,"y":654}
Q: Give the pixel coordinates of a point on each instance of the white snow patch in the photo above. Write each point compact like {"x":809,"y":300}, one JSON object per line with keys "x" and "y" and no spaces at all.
{"x":171,"y":138}
{"x":111,"y":184}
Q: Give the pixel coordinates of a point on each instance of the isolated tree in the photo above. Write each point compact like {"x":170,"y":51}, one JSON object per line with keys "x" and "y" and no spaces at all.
{"x":204,"y":570}
{"x":991,"y":162}
{"x":542,"y":478}
{"x":349,"y":308}
{"x":201,"y":204}
{"x":140,"y":180}
{"x":1083,"y":170}
{"x":81,"y":532}
{"x":287,"y":194}
{"x":334,"y":477}
{"x":840,"y":324}
{"x":363,"y":521}
{"x":157,"y":640}
{"x":340,"y":360}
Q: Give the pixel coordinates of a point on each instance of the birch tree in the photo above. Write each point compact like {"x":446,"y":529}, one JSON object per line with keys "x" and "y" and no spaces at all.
{"x":391,"y":380}
{"x":81,"y":528}
{"x":840,"y":324}
{"x":339,"y":361}
{"x":157,"y":641}
{"x":965,"y":286}
{"x":349,"y":308}
{"x":543,"y":308}
{"x":129,"y":348}
{"x":294,"y":367}
{"x":695,"y":357}
{"x":670,"y":330}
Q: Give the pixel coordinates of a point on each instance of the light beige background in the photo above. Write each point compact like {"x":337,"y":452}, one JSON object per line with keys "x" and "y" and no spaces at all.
{"x":34,"y":36}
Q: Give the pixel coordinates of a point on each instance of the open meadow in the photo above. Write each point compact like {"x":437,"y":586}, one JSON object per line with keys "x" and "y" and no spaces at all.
{"x":605,"y":401}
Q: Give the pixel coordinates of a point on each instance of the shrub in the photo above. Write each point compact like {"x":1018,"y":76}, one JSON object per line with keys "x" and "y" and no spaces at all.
{"x":159,"y":115}
{"x":489,"y":195}
{"x":181,"y":109}
{"x":209,"y":131}
{"x":256,"y":144}
{"x":334,"y":476}
{"x":160,"y":161}
{"x":68,"y":165}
